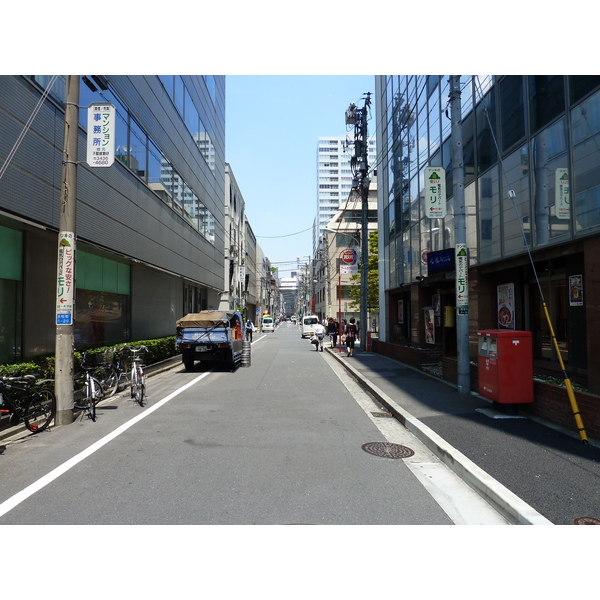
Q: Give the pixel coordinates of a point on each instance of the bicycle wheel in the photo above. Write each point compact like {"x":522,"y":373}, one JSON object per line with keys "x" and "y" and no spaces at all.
{"x":40,"y":409}
{"x":140,"y":393}
{"x":97,"y":390}
{"x":111,"y":383}
{"x":134,"y":381}
{"x":92,"y":387}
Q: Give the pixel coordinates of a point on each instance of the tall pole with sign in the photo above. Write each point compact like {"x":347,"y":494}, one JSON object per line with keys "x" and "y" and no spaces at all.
{"x":65,"y":279}
{"x":460,"y":235}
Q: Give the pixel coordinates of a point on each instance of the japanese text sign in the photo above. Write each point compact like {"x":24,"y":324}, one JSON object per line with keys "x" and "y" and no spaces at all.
{"x":462,"y":272}
{"x":65,"y":278}
{"x":435,"y":192}
{"x":101,"y":135}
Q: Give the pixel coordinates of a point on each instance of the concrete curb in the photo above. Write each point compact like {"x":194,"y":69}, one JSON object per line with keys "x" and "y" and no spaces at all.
{"x":515,"y":510}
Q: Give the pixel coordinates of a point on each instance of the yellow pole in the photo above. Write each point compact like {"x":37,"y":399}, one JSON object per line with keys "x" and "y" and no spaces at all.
{"x":570,"y":392}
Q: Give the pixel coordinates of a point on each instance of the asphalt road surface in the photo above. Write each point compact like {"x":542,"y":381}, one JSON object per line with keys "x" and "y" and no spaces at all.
{"x":278,"y":443}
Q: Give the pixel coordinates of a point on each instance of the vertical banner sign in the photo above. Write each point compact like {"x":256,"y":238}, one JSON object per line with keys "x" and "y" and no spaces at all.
{"x":65,"y":278}
{"x":506,"y":306}
{"x":576,"y":290}
{"x":462,"y":282}
{"x":562,"y":187}
{"x":349,"y":262}
{"x":101,"y":135}
{"x":435,"y":192}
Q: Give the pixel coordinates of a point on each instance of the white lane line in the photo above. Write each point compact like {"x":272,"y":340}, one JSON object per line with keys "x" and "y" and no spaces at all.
{"x":461,"y":503}
{"x":25,"y":493}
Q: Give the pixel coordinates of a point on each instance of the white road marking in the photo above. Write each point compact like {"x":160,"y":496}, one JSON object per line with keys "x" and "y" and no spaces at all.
{"x":459,"y":501}
{"x":25,"y":493}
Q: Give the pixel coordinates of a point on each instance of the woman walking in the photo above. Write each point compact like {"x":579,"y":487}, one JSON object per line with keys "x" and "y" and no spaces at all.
{"x":351,"y":335}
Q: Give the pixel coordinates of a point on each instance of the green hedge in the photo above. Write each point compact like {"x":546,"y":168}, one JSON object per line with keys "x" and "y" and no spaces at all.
{"x":159,"y":349}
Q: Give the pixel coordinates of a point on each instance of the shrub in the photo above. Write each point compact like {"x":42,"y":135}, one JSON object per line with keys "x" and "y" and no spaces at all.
{"x":159,"y":349}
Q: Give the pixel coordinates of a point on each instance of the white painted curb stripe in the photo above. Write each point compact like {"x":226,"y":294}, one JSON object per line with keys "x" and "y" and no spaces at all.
{"x":508,"y":503}
{"x":19,"y":497}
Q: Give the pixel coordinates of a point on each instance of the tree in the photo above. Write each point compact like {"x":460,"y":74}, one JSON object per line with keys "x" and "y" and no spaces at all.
{"x":373,"y":277}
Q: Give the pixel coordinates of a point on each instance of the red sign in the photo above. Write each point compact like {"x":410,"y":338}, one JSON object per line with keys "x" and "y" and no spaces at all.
{"x":349,"y":256}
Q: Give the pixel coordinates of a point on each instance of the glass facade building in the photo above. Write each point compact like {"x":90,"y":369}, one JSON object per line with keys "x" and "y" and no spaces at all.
{"x":531,"y":160}
{"x":150,"y":228}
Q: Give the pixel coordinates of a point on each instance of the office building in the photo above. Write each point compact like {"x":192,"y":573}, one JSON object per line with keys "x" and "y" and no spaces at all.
{"x":334,"y":177}
{"x":531,"y":155}
{"x":150,"y":236}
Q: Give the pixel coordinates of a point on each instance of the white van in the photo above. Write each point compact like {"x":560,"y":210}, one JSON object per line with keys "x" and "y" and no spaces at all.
{"x":307,"y":328}
{"x":267,"y":324}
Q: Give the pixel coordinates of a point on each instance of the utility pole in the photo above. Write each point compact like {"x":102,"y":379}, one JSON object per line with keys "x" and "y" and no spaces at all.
{"x":65,"y":313}
{"x":360,"y":167}
{"x":460,"y":235}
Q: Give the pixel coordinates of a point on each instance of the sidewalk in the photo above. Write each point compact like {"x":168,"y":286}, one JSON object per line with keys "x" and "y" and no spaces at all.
{"x":530,"y":471}
{"x":6,"y":430}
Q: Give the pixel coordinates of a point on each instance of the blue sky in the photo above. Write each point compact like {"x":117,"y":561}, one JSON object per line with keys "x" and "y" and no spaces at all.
{"x":273,"y":123}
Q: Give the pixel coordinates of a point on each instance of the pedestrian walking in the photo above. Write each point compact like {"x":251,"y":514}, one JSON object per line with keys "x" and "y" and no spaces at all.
{"x":332,"y":330}
{"x":249,"y":330}
{"x":351,"y":335}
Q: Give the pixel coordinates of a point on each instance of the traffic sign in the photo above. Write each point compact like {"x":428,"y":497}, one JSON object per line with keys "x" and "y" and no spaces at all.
{"x":435,"y":192}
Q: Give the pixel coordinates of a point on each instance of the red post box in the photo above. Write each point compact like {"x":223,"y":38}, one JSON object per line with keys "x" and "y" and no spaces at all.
{"x":505,"y":366}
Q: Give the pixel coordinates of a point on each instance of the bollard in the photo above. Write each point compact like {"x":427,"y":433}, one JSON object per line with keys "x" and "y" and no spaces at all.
{"x":246,"y":353}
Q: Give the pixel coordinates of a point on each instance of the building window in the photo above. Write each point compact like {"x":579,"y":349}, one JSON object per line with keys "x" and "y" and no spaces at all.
{"x":546,"y":99}
{"x":550,"y":163}
{"x":485,"y":116}
{"x":512,"y":114}
{"x":516,"y":214}
{"x":585,"y":120}
{"x":581,"y":85}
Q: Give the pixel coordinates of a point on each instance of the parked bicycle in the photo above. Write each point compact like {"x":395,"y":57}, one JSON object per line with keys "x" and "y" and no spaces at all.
{"x":27,"y":401}
{"x":137,"y":375}
{"x":92,"y":387}
{"x":105,"y":369}
{"x":116,"y":373}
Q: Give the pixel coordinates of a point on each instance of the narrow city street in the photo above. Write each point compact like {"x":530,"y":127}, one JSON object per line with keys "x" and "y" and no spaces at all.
{"x":278,"y":443}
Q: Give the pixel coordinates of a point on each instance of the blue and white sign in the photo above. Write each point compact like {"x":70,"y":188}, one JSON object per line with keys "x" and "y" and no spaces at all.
{"x":101,"y":135}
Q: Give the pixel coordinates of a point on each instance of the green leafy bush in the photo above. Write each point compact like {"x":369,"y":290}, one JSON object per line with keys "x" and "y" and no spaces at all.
{"x":158,"y":350}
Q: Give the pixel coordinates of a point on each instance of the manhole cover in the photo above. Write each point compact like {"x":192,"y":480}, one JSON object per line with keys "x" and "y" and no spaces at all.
{"x":586,"y":521}
{"x":387,"y":450}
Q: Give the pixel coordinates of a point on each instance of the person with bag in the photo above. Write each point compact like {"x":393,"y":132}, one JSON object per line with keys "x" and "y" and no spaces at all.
{"x":351,"y":335}
{"x":319,"y":335}
{"x":332,"y":330}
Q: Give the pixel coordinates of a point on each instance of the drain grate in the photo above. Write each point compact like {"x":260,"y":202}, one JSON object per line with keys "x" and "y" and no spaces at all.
{"x":381,"y":414}
{"x":586,"y":521}
{"x":387,"y":450}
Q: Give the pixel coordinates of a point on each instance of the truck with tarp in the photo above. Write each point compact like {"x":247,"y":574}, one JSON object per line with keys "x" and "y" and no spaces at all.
{"x":210,"y":336}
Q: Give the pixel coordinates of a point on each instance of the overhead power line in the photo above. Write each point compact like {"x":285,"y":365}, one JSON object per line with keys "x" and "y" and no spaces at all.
{"x":282,"y":236}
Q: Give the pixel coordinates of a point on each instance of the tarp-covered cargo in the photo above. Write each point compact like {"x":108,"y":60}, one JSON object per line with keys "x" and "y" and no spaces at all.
{"x":210,"y":335}
{"x":207,"y":318}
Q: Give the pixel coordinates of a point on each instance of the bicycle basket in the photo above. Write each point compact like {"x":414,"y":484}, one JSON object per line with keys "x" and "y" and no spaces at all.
{"x":139,"y":352}
{"x":98,"y":359}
